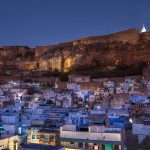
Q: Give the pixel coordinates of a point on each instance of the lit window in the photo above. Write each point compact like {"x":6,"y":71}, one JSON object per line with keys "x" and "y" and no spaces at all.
{"x":33,"y":136}
{"x":46,"y":138}
{"x":52,"y":137}
{"x":37,"y":136}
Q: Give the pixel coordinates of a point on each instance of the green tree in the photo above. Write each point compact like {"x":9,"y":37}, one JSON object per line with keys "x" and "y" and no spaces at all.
{"x":31,"y":91}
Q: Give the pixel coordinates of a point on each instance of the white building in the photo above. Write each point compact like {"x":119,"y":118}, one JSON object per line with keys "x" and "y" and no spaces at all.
{"x":73,"y":86}
{"x":10,"y":123}
{"x":95,"y":138}
{"x":142,"y":130}
{"x":143,"y":29}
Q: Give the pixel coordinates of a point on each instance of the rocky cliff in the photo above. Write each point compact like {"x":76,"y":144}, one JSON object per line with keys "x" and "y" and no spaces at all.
{"x":127,"y":47}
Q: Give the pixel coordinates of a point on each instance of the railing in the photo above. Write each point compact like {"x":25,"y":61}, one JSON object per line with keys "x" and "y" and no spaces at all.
{"x":91,"y":136}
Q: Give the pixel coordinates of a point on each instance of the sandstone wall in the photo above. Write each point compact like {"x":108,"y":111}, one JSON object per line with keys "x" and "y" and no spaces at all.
{"x":27,"y":65}
{"x":51,"y":63}
{"x":80,"y":52}
{"x":130,"y":36}
{"x":8,"y":65}
{"x":146,"y":35}
{"x":40,"y":50}
{"x":14,"y":51}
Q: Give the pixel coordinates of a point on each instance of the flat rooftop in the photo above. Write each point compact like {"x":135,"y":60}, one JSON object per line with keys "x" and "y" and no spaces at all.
{"x":39,"y":147}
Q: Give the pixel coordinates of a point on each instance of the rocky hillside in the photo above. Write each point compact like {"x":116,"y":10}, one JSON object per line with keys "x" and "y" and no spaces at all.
{"x":128,"y":48}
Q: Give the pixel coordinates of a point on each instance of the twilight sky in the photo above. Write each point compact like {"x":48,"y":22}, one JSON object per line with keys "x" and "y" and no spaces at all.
{"x":47,"y":22}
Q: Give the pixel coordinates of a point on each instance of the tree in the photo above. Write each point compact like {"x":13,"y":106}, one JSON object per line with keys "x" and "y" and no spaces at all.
{"x":31,"y":91}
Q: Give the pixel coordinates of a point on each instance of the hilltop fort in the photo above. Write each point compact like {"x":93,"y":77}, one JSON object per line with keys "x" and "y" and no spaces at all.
{"x":129,"y":47}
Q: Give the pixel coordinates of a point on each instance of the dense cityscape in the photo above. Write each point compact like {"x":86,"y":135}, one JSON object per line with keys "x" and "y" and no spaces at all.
{"x":110,"y":113}
{"x":74,"y":75}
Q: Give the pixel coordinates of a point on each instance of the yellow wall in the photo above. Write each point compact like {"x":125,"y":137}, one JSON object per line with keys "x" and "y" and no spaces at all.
{"x":71,"y":149}
{"x":73,"y":146}
{"x":9,"y":142}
